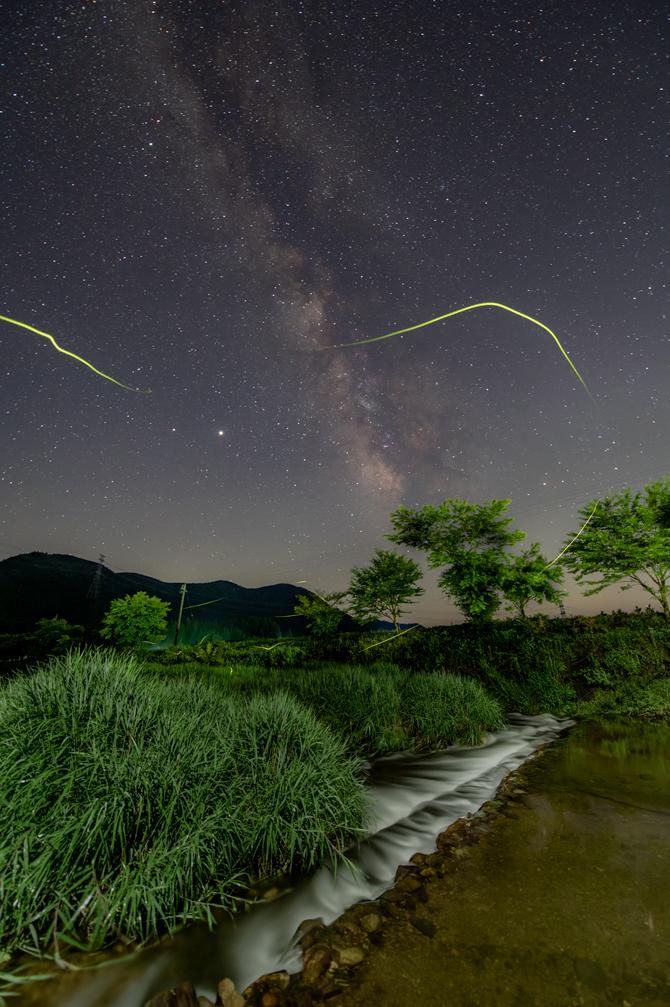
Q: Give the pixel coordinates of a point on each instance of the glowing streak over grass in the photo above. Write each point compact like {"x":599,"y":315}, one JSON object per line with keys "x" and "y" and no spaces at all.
{"x":575,"y":538}
{"x":458,"y":311}
{"x":67,"y":353}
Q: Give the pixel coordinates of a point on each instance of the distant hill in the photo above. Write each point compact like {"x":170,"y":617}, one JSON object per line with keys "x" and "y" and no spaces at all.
{"x":40,"y":585}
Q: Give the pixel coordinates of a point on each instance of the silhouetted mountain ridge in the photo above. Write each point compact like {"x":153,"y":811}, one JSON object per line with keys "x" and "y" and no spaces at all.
{"x":41,"y":585}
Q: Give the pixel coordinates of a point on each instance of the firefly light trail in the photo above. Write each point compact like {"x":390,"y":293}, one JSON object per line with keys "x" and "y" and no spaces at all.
{"x":67,"y":353}
{"x":458,"y":311}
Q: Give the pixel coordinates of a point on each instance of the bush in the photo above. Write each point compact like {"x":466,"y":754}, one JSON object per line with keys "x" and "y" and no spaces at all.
{"x":136,"y":804}
{"x":50,"y":636}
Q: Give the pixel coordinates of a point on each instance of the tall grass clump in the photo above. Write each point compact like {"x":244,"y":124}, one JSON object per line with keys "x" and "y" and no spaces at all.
{"x":375,"y":709}
{"x":444,"y":708}
{"x":131,"y":805}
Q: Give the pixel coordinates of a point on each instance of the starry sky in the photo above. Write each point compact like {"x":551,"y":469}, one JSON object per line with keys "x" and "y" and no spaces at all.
{"x":204,"y":197}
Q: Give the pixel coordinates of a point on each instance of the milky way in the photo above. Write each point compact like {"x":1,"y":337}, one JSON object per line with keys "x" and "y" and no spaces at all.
{"x":199,"y":196}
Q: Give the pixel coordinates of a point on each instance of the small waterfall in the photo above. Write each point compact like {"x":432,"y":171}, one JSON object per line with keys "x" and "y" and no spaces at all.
{"x":411,"y":799}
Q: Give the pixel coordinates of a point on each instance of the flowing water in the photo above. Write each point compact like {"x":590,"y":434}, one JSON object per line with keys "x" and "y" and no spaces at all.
{"x":565,"y":899}
{"x":411,"y":799}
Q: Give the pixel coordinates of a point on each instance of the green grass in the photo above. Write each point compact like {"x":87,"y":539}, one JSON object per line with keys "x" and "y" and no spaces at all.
{"x":136,"y":792}
{"x":631,"y":699}
{"x":374,"y":709}
{"x":130,"y":804}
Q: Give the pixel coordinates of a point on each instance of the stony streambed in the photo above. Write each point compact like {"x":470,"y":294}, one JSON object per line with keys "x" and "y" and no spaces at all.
{"x":554,"y":893}
{"x":331,"y":954}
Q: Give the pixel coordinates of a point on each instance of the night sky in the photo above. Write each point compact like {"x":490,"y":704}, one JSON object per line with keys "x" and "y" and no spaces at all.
{"x":200,"y":198}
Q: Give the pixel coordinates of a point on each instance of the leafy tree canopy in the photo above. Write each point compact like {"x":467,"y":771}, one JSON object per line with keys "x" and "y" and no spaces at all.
{"x":471,"y":541}
{"x":385,"y":587}
{"x":322,"y":616}
{"x":529,"y":577}
{"x":136,"y":619}
{"x":626,"y":539}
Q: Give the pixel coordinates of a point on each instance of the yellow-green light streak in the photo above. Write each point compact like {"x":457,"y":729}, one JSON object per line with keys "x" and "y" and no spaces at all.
{"x":67,"y":353}
{"x":458,"y":311}
{"x":595,"y":506}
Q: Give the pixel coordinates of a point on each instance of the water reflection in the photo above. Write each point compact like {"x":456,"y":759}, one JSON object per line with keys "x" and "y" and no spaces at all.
{"x":566,"y":903}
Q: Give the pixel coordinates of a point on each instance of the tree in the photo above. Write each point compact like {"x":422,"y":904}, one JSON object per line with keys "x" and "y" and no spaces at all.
{"x":136,"y":619}
{"x":57,"y":636}
{"x":626,"y":538}
{"x":469,"y":538}
{"x":323,"y":618}
{"x":384,"y":587}
{"x":528,"y":577}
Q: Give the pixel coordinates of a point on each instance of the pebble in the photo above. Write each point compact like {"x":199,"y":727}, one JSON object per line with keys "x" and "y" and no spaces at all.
{"x":370,"y":923}
{"x":228,"y":995}
{"x":349,"y":956}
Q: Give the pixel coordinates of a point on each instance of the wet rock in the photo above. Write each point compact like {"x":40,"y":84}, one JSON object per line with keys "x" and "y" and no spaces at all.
{"x":370,"y":923}
{"x":393,"y":895}
{"x":409,"y":884}
{"x":458,"y":826}
{"x":429,"y":873}
{"x":310,"y":929}
{"x":350,"y":924}
{"x":180,"y":996}
{"x":205,"y":1002}
{"x":435,"y":860}
{"x":590,"y":973}
{"x":392,"y":910}
{"x":418,"y":859}
{"x":317,"y":960}
{"x":307,"y":941}
{"x":279,"y":979}
{"x":271,"y":999}
{"x":228,"y":995}
{"x":426,"y":927}
{"x":404,"y":870}
{"x":349,"y":956}
{"x":271,"y":893}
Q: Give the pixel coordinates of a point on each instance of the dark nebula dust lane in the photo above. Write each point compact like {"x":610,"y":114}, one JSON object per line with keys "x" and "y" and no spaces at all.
{"x":207,"y":199}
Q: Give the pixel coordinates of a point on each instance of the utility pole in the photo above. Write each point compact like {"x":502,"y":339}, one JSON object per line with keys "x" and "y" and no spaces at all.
{"x":181,"y":609}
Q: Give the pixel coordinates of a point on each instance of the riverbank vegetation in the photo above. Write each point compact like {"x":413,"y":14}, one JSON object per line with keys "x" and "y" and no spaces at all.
{"x":531,"y":665}
{"x":137,"y":805}
{"x":146,"y":786}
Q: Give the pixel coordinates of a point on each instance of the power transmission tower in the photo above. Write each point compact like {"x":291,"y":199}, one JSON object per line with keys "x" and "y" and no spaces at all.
{"x":94,"y":589}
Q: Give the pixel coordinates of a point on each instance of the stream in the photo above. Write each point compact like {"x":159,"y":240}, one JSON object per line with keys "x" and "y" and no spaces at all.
{"x":412,"y":797}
